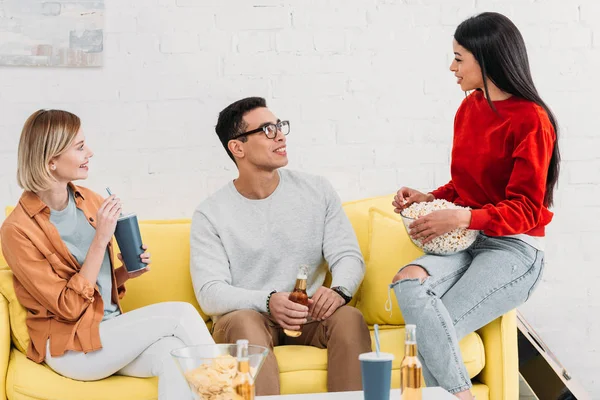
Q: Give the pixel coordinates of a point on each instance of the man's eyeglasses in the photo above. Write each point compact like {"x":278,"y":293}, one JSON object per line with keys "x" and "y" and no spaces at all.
{"x":270,"y":130}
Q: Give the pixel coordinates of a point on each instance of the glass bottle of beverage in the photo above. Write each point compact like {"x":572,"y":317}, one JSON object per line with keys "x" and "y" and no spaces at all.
{"x":243,"y":381}
{"x":410,"y":369}
{"x":299,"y":295}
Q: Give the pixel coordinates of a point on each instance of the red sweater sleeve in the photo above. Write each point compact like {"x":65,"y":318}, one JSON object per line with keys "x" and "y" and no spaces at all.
{"x":446,"y":192}
{"x":526,"y":189}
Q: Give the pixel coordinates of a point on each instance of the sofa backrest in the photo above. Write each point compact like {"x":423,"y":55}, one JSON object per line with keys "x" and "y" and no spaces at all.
{"x":358,"y":214}
{"x":168,"y":241}
{"x":169,"y":278}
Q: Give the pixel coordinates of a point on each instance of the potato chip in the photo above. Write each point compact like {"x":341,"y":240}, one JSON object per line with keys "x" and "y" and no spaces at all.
{"x":214,"y":381}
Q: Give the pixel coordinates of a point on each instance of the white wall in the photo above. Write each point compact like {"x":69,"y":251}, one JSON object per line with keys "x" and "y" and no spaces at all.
{"x":366,"y":86}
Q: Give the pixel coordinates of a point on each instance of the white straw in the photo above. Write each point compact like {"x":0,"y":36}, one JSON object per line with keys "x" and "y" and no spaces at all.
{"x":110,"y":194}
{"x":377,"y":348}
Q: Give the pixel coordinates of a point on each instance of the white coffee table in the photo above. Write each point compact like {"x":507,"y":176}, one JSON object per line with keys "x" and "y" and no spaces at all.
{"x":434,"y":393}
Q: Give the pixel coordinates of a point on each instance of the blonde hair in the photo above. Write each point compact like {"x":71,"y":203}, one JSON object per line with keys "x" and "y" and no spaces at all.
{"x":46,"y":135}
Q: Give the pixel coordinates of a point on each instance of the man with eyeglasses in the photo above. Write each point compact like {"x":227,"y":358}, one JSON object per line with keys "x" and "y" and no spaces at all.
{"x":249,"y":238}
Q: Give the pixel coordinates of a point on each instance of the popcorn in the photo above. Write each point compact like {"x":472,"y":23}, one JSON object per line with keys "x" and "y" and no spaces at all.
{"x":448,"y":243}
{"x":214,"y":381}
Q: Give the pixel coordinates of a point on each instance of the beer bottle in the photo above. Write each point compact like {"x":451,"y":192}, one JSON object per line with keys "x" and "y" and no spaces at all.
{"x":299,"y":295}
{"x":410,"y":369}
{"x":243,"y":382}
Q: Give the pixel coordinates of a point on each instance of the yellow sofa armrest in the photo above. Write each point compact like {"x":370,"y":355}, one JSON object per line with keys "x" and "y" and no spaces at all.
{"x":5,"y":342}
{"x":501,"y":371}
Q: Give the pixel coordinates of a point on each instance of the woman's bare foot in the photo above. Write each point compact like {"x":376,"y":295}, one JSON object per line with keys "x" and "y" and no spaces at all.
{"x":465,"y":395}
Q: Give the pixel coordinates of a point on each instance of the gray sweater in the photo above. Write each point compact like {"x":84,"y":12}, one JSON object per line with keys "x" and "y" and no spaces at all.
{"x":242,"y":249}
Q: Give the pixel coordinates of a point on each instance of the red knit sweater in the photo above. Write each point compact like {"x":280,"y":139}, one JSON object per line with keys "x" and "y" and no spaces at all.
{"x":499,"y":165}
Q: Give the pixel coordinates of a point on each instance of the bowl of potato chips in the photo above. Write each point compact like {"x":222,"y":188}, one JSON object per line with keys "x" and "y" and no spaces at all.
{"x":210,"y":369}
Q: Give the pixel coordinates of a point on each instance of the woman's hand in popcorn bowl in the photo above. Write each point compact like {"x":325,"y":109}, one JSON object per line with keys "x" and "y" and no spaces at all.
{"x":439,"y":226}
{"x":437,"y":223}
{"x":405,"y":197}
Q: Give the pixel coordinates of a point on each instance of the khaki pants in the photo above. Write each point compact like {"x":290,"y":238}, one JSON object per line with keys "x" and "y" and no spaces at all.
{"x":344,"y":334}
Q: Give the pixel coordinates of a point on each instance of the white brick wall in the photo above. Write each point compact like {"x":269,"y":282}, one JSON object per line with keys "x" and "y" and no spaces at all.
{"x":367,"y":88}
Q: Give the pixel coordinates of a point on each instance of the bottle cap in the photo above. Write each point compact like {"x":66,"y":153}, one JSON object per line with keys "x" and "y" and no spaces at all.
{"x":303,"y":272}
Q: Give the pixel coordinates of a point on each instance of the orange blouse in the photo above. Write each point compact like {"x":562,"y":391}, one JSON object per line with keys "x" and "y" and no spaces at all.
{"x":62,"y":305}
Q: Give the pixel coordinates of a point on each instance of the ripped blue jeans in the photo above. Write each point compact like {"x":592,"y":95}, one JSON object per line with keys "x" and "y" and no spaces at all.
{"x":464,"y":292}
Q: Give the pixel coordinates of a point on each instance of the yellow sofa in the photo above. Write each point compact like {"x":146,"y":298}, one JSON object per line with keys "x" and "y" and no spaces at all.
{"x":490,"y":353}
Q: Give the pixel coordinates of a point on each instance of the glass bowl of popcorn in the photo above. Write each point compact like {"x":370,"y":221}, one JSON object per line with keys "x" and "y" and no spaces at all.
{"x":452,"y":242}
{"x":210,"y":369}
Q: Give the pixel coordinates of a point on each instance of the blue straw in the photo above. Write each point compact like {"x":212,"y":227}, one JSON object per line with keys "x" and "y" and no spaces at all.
{"x":377,"y":348}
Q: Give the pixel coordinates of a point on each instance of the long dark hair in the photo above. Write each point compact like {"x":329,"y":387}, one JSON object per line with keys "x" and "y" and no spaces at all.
{"x":498,"y":47}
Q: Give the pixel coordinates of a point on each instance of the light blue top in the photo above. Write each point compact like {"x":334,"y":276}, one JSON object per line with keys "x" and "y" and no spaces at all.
{"x":77,"y":233}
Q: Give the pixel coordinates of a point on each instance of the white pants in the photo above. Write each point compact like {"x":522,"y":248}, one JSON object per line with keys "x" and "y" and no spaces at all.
{"x":138,"y":343}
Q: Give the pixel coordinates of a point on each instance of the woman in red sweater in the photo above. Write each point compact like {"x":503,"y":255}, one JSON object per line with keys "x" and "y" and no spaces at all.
{"x":505,"y":164}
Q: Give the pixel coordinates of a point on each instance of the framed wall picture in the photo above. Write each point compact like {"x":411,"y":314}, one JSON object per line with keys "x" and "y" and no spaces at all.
{"x":61,"y":33}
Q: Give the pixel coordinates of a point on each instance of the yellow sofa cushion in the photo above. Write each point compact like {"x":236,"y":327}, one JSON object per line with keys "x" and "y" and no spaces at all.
{"x":5,"y":344}
{"x":358,"y":214}
{"x":169,"y":278}
{"x":18,"y":314}
{"x":471,"y":347}
{"x":304,"y":369}
{"x":28,"y":380}
{"x":302,"y":358}
{"x":302,"y":382}
{"x":389,"y":249}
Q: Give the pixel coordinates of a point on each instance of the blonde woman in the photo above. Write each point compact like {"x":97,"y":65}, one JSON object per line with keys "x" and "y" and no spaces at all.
{"x":57,"y":242}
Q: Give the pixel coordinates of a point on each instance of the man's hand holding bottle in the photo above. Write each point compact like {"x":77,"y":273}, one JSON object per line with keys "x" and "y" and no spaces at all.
{"x":290,"y":315}
{"x":286,"y":313}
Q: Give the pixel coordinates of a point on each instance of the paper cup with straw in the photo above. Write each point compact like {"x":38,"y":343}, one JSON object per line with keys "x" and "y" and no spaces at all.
{"x":376,"y":371}
{"x":129,"y":239}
